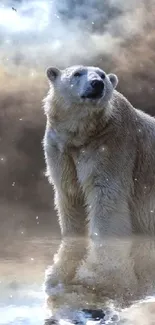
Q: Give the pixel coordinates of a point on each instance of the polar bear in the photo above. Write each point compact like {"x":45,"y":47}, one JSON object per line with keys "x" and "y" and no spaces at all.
{"x":100,"y":155}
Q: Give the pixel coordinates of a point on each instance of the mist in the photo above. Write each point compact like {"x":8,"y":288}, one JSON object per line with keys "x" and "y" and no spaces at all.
{"x":38,"y":32}
{"x":117,"y":35}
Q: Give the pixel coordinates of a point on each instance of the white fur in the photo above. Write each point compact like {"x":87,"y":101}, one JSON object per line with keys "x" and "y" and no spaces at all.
{"x":101,"y":161}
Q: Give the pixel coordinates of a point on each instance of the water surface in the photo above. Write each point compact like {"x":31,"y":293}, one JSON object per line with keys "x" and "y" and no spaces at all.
{"x":23,"y":262}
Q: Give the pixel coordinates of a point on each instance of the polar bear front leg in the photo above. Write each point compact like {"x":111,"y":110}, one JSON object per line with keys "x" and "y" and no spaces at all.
{"x":61,"y":173}
{"x":108,"y":212}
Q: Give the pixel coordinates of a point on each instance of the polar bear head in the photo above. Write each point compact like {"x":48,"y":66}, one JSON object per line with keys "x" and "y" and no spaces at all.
{"x":81,"y":85}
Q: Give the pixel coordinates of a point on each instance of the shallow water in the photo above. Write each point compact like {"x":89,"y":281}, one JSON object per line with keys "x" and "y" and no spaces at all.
{"x":22,"y":267}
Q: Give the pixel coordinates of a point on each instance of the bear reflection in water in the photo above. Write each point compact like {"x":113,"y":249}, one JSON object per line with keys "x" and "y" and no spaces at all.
{"x":105,"y":275}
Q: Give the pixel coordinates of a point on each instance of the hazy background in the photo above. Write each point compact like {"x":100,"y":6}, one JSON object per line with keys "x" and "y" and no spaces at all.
{"x":117,"y":35}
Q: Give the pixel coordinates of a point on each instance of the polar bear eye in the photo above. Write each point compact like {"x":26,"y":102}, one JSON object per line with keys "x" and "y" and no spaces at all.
{"x":77,"y":74}
{"x":102,"y":76}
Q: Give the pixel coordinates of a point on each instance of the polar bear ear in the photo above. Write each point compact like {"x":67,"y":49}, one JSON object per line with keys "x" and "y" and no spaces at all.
{"x":52,"y":73}
{"x":113,"y":78}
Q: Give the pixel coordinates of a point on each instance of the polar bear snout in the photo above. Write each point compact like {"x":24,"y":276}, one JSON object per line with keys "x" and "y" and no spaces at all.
{"x":95,"y":89}
{"x":97,"y":85}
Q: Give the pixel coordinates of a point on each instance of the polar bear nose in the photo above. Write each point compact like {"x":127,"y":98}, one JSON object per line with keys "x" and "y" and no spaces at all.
{"x":97,"y":85}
